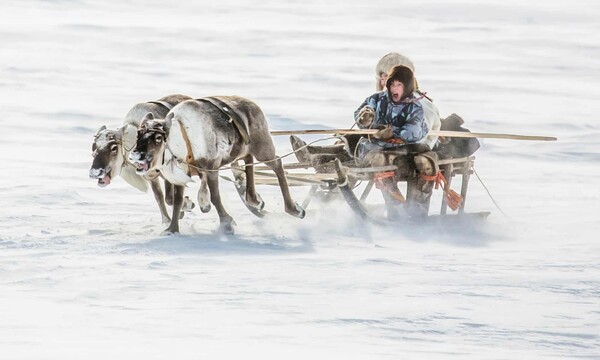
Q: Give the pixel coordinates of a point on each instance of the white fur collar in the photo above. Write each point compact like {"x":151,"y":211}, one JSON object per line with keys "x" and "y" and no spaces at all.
{"x":174,"y":170}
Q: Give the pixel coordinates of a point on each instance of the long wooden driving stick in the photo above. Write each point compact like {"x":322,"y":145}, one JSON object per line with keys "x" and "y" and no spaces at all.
{"x":431,"y":133}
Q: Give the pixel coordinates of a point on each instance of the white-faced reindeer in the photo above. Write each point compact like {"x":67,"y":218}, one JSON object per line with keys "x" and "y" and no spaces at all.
{"x":111,"y":151}
{"x":199,"y":137}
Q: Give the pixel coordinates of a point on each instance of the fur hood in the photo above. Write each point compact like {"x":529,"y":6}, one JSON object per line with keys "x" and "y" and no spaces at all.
{"x":387,"y":62}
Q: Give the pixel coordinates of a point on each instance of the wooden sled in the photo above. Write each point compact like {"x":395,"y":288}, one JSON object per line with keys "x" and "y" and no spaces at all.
{"x":338,"y":180}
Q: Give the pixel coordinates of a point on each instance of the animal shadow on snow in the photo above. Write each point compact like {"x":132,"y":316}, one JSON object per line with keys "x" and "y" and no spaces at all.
{"x":220,"y":244}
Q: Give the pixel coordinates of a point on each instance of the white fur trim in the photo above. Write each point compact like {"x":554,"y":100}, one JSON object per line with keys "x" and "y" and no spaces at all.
{"x":175,"y":173}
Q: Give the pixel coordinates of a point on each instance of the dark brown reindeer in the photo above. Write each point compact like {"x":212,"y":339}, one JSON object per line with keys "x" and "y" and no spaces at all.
{"x":198,"y":137}
{"x":111,"y":151}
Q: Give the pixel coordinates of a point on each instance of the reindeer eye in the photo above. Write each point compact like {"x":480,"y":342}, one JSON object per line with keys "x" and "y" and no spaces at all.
{"x":158,"y":139}
{"x":114,"y":148}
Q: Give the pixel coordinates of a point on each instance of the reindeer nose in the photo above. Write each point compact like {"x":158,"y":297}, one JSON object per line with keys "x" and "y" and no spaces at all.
{"x":97,"y":173}
{"x":135,"y":156}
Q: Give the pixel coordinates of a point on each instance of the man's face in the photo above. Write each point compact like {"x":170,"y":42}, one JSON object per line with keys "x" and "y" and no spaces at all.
{"x":382,"y":79}
{"x":396,"y":90}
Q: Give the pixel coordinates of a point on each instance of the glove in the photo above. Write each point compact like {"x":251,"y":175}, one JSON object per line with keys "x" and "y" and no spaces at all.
{"x":366,"y":116}
{"x":384,"y":134}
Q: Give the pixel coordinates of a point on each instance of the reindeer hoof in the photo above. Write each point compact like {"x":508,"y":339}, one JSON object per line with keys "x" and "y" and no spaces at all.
{"x":188,"y":204}
{"x":298,"y":212}
{"x":205,"y":208}
{"x":227,"y":228}
{"x":258,"y":207}
{"x":168,"y":232}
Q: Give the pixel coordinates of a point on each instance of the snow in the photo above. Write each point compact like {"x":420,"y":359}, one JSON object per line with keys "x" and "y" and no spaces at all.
{"x":84,"y":272}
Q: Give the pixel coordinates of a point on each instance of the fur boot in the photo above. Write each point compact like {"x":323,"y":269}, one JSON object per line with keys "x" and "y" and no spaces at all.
{"x":419,"y":190}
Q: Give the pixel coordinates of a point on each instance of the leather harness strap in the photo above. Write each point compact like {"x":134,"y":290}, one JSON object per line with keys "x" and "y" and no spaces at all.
{"x":233,"y":116}
{"x":162,"y":103}
{"x":190,"y":154}
{"x":189,"y":159}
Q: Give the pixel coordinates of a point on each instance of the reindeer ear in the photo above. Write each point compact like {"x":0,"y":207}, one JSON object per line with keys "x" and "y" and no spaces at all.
{"x":123,"y":129}
{"x":128,"y":135}
{"x":119,"y":135}
{"x":102,"y":128}
{"x":146,"y":118}
{"x":168,"y":122}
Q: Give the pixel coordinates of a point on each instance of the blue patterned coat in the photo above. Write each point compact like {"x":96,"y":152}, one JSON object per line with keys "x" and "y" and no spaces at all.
{"x":407,"y":117}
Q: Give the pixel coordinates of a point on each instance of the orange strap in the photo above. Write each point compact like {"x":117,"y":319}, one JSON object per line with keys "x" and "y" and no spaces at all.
{"x":383,"y":175}
{"x":453,"y":198}
{"x":189,"y":159}
{"x":379,"y":177}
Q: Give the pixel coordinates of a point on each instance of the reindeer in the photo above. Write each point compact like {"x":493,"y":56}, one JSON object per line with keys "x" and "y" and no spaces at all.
{"x":111,"y":148}
{"x":197,"y":137}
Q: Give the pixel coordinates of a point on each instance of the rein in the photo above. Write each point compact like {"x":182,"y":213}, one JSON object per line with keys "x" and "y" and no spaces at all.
{"x":199,"y":169}
{"x":124,"y":152}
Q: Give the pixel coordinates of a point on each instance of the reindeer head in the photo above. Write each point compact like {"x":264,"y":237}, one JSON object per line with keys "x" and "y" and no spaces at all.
{"x":149,"y":149}
{"x":107,"y":150}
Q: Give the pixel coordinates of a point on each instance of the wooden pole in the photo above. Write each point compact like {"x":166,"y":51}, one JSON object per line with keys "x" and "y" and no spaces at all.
{"x":461,"y":134}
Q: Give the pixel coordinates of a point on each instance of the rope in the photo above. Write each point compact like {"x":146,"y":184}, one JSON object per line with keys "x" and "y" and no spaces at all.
{"x":124,"y":152}
{"x":488,"y":192}
{"x":259,"y":162}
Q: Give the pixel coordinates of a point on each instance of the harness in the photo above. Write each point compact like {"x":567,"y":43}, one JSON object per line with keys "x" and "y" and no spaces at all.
{"x":231,"y":114}
{"x":165,"y":104}
{"x":233,"y":118}
{"x":117,"y":140}
{"x":189,"y":159}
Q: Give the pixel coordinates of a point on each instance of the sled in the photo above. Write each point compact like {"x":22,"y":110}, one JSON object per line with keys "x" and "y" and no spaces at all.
{"x":340,"y":180}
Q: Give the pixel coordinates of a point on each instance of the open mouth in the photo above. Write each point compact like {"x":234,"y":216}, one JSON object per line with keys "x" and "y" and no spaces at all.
{"x":102,"y":182}
{"x":141,"y":168}
{"x":102,"y":175}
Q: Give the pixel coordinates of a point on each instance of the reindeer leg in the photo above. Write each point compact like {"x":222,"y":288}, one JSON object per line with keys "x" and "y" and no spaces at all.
{"x":177,"y":204}
{"x":252,"y":198}
{"x":158,"y":196}
{"x":291,"y":207}
{"x":212,"y":178}
{"x":168,"y":193}
{"x":203,"y":195}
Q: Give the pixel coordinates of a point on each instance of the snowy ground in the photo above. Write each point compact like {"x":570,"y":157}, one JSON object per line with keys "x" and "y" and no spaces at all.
{"x":84,"y":272}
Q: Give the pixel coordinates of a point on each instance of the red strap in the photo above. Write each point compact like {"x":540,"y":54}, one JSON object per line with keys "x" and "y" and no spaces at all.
{"x":383,"y":175}
{"x":453,"y":198}
{"x":379,"y":177}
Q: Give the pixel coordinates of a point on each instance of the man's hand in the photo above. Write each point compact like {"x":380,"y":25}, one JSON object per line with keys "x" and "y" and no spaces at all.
{"x":384,"y":134}
{"x":366,"y":116}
